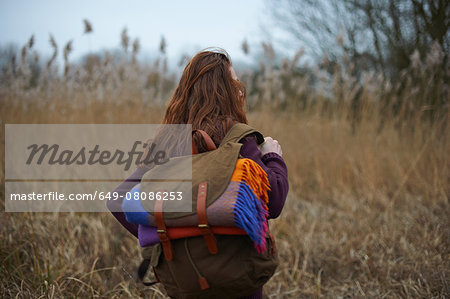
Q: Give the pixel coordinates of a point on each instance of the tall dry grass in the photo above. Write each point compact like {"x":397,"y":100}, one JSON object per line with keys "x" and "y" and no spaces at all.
{"x":368,"y":160}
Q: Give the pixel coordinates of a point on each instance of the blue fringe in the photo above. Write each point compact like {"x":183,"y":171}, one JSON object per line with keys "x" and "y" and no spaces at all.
{"x":249,"y":213}
{"x":133,"y":209}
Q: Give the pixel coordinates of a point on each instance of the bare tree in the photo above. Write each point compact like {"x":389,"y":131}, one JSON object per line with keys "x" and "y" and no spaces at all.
{"x":375,"y":34}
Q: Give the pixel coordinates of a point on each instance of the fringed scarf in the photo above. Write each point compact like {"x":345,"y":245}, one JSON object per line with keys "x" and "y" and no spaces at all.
{"x":243,"y":204}
{"x":250,"y":207}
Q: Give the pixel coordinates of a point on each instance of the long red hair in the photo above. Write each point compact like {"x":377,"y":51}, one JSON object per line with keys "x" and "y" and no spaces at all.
{"x":207,"y":96}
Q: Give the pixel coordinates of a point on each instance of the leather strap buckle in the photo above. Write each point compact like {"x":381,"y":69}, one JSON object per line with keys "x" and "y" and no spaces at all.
{"x":162,"y":232}
{"x":210,"y":240}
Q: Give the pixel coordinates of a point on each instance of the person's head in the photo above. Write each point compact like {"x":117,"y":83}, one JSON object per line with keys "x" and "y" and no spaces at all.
{"x":208,"y":96}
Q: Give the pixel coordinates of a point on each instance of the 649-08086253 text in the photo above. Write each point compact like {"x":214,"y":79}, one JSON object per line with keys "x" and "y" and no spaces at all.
{"x":56,"y":196}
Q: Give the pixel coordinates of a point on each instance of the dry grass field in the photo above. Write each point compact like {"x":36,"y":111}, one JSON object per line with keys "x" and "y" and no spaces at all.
{"x":368,"y":207}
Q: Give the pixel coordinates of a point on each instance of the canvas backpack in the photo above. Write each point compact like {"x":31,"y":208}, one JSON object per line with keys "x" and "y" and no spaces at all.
{"x":209,"y":261}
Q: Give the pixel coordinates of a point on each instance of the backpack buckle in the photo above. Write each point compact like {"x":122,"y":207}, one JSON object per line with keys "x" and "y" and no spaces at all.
{"x":203,"y":225}
{"x":162,"y":232}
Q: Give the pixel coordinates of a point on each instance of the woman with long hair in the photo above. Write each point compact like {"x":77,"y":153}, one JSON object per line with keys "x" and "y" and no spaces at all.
{"x":210,"y":97}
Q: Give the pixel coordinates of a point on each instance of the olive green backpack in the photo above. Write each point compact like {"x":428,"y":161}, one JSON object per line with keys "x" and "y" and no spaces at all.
{"x":210,"y":265}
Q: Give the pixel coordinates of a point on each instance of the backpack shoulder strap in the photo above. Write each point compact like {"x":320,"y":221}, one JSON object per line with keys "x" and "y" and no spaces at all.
{"x":239,"y":131}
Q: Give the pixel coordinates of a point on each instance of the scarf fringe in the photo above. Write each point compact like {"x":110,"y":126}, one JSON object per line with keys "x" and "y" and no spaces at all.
{"x":133,"y":209}
{"x":250,"y":208}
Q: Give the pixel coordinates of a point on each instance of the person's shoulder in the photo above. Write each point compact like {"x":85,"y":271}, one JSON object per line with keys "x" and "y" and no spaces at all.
{"x":250,"y":138}
{"x":241,"y":132}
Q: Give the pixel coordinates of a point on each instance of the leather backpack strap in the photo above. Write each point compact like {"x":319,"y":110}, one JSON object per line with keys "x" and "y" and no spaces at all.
{"x":209,"y":142}
{"x":207,"y":233}
{"x":162,"y":231}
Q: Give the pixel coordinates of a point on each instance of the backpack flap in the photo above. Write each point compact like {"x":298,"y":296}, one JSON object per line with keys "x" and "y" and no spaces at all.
{"x":214,"y":167}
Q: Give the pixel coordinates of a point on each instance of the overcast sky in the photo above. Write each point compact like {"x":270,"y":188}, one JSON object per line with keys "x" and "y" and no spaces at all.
{"x":188,"y":26}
